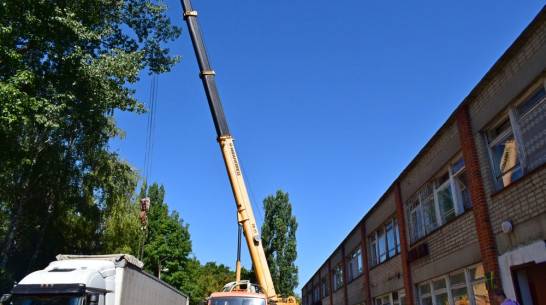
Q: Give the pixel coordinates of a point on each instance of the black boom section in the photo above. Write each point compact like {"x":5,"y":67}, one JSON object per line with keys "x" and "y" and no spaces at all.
{"x":207,"y":75}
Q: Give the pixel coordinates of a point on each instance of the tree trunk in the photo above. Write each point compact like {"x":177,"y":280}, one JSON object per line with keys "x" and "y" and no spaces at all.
{"x":41,"y":234}
{"x":16,"y":217}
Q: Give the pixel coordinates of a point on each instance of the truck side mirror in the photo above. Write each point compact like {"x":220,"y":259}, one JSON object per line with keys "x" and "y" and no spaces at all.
{"x":5,"y":298}
{"x":93,"y":299}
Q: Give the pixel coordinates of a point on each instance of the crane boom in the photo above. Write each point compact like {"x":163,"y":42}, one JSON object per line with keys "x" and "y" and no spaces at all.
{"x":245,"y":216}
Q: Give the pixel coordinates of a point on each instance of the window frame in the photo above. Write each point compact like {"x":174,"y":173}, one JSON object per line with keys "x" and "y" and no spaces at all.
{"x":381,"y":234}
{"x":468,"y":284}
{"x":354,"y":258}
{"x":395,"y":298}
{"x":316,"y":294}
{"x":514,"y":116}
{"x":325,"y":287}
{"x":417,"y":206}
{"x":337,"y":277}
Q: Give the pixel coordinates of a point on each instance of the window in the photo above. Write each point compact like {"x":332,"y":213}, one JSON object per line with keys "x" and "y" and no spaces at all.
{"x":394,"y":298}
{"x":325,"y":290}
{"x":463,"y":287}
{"x":337,"y":277}
{"x":309,"y":298}
{"x":385,"y":242}
{"x":316,"y":294}
{"x":438,"y":202}
{"x":517,"y":144}
{"x":354,"y":265}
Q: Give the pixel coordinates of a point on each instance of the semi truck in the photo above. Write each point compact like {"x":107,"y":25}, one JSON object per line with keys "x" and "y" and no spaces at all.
{"x":115,"y":279}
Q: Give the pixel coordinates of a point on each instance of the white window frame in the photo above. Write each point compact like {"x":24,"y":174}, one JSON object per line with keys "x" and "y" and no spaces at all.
{"x":449,"y":287}
{"x":523,"y":164}
{"x":394,"y":298}
{"x":415,"y":205}
{"x":375,"y":238}
{"x":354,"y":264}
{"x":337,"y":277}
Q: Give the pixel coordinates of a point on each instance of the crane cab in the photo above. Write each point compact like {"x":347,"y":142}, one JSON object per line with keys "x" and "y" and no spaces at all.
{"x":238,"y":293}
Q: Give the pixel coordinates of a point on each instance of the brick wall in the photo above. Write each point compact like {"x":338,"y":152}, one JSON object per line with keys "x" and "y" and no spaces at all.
{"x":355,"y":290}
{"x":386,"y":277}
{"x":520,"y":201}
{"x":449,"y":238}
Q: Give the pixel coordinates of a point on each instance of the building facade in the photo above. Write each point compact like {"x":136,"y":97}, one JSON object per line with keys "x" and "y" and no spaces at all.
{"x":468,"y":215}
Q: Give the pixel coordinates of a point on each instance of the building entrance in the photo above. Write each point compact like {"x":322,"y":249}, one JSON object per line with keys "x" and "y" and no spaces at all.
{"x":530,"y":282}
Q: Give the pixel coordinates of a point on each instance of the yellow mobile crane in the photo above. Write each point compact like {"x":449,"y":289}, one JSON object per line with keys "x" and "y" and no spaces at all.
{"x":236,"y":293}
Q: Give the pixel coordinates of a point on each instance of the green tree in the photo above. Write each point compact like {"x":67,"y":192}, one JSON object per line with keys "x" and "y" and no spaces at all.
{"x":65,"y":67}
{"x":209,"y":278}
{"x":279,"y":241}
{"x":167,"y":245}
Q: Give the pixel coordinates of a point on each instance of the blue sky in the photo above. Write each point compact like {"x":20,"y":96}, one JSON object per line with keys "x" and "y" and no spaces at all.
{"x":328,"y":101}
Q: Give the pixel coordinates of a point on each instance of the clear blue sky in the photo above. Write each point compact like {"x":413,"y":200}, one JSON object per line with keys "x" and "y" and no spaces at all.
{"x":327,"y":100}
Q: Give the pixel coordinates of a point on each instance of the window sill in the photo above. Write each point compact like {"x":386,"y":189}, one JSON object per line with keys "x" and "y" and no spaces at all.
{"x":518,"y":181}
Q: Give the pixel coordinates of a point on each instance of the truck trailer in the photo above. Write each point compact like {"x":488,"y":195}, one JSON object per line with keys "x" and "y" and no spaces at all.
{"x":116,"y":279}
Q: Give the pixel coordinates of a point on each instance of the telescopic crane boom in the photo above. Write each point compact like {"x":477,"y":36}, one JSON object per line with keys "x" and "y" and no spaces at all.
{"x":245,"y":216}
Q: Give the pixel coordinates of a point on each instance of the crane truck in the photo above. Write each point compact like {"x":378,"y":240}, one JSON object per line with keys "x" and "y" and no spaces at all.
{"x":236,"y":293}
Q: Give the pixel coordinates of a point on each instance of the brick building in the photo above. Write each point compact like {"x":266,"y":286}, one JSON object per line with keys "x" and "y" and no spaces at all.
{"x":468,"y":215}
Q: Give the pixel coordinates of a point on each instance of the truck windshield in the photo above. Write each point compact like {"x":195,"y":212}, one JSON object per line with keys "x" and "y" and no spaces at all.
{"x":48,"y":300}
{"x":237,"y":301}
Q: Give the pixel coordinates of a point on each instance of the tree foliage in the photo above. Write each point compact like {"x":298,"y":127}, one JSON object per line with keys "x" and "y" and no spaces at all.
{"x":279,"y":240}
{"x":167,"y":245}
{"x":65,"y":67}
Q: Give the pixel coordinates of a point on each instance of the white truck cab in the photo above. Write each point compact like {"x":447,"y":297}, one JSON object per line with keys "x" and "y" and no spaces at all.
{"x":116,"y":279}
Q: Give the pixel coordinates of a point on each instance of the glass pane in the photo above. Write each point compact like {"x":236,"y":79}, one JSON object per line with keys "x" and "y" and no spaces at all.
{"x":458,"y":165}
{"x":460,"y":296}
{"x":397,"y":239}
{"x":494,"y":133}
{"x":429,"y":215}
{"x":388,"y":226}
{"x":445,"y":202}
{"x":506,"y":161}
{"x":424,"y":289}
{"x":476,"y":273}
{"x":533,"y":132}
{"x":359,"y":261}
{"x":403,"y":300}
{"x":481,"y":297}
{"x":386,"y":300}
{"x":527,"y":105}
{"x":457,"y":279}
{"x":425,"y":192}
{"x":47,"y":300}
{"x":426,"y":301}
{"x":375,"y":252}
{"x":441,"y":299}
{"x":462,"y":181}
{"x":439,"y":284}
{"x":391,"y":244}
{"x":416,"y":224}
{"x":382,"y":249}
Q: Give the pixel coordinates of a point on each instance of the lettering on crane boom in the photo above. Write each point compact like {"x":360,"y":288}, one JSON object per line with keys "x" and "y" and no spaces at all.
{"x":235,"y":162}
